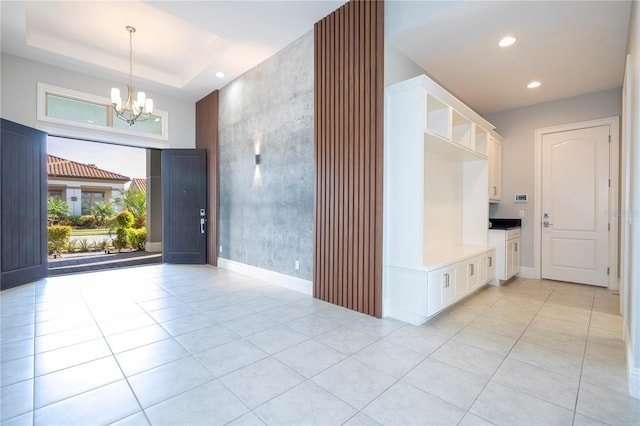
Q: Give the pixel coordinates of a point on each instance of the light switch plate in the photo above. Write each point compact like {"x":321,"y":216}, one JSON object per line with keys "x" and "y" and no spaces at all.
{"x":521,"y":198}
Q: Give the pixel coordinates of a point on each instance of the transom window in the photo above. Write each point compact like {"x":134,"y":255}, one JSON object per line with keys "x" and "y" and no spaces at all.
{"x":69,"y":107}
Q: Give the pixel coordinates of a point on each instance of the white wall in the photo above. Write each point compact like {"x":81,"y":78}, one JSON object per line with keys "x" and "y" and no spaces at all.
{"x":397,"y":66}
{"x":517,"y":126}
{"x":631,"y":273}
{"x":19,"y":100}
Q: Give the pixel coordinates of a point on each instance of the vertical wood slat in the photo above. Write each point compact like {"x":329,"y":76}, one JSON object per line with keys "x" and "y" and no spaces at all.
{"x":207,"y":138}
{"x":348,"y":105}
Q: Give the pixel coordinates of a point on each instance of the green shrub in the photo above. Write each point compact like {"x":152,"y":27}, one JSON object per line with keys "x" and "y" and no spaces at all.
{"x":140,"y":221}
{"x":124,"y":220}
{"x":137,"y":238}
{"x":101,"y":211}
{"x":106,"y":242}
{"x":59,"y":238}
{"x":65,"y":222}
{"x":85,"y":245}
{"x":71,"y":247}
{"x":87,"y":221}
{"x":57,"y":209}
{"x":121,"y":241}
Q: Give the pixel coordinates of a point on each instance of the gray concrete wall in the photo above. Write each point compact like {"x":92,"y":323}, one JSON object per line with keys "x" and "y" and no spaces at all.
{"x":266,"y":210}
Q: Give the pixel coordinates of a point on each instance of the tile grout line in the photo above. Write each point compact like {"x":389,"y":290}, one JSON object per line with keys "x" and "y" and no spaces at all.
{"x":584,"y":355}
{"x":126,"y":378}
{"x":510,"y":350}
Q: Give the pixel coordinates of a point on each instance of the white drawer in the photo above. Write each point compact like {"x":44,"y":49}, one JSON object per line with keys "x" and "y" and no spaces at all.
{"x":513,"y":233}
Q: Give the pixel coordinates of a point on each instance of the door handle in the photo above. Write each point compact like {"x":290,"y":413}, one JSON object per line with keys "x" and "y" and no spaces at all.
{"x":546,"y":224}
{"x":202,"y":220}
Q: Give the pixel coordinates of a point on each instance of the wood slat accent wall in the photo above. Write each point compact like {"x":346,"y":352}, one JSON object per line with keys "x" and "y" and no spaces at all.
{"x":349,"y":89}
{"x":207,"y":138}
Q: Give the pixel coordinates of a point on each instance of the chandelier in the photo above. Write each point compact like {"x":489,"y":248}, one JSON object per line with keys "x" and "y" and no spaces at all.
{"x":135,"y":109}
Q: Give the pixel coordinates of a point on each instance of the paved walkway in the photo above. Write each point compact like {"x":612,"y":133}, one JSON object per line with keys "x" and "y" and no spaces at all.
{"x":95,"y":261}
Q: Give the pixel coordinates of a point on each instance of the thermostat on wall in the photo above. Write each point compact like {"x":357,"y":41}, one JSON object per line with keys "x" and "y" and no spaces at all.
{"x":521,"y":198}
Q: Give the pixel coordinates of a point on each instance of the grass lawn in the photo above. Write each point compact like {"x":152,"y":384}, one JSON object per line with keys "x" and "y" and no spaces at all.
{"x":85,"y":232}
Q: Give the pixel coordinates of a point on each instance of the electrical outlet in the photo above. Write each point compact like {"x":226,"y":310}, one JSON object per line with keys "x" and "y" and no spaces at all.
{"x":521,"y":213}
{"x":297,"y":264}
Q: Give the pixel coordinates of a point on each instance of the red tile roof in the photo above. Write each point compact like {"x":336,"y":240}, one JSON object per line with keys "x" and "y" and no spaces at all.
{"x":139,"y":183}
{"x":60,"y":168}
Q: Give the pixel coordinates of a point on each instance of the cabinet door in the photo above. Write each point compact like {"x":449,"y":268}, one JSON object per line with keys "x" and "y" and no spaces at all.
{"x":463,"y":278}
{"x":491,"y":266}
{"x":513,"y":257}
{"x":495,"y":168}
{"x":441,"y":288}
{"x":515,"y":268}
{"x":482,"y":266}
{"x":509,"y":262}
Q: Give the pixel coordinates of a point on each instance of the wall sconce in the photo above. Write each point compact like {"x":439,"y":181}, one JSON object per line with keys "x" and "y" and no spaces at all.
{"x":257,"y":159}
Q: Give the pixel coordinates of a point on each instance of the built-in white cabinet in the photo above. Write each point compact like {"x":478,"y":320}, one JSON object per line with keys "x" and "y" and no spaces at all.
{"x":507,"y":245}
{"x":495,"y":167}
{"x":451,"y":283}
{"x":435,"y":242}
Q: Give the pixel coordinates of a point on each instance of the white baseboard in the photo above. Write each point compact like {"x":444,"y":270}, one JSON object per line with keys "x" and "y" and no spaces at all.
{"x":153,"y":247}
{"x":283,"y":280}
{"x":526,"y":272}
{"x":633,"y":373}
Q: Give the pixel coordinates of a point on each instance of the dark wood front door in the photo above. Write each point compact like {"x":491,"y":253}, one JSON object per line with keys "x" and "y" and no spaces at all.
{"x":184,"y":206}
{"x":23,"y":211}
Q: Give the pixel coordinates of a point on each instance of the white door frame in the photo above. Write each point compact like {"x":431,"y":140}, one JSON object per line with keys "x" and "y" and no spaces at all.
{"x":614,"y":148}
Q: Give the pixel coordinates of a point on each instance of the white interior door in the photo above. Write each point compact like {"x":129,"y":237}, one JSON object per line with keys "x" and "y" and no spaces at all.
{"x":575,"y":205}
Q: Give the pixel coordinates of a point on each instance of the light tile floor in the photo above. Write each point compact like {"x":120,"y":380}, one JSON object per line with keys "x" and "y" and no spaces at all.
{"x":169,"y":344}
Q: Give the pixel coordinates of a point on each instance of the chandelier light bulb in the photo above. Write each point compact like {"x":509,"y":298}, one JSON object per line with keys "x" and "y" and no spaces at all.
{"x":134,"y":109}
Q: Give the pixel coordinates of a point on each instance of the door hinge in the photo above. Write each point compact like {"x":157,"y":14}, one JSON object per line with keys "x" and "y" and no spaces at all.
{"x":608,"y":227}
{"x":607,"y":270}
{"x":609,"y":183}
{"x":609,"y":138}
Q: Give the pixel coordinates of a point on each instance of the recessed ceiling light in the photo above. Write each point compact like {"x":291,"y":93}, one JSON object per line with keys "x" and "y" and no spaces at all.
{"x":220,"y":74}
{"x":533,"y":85}
{"x":506,"y":41}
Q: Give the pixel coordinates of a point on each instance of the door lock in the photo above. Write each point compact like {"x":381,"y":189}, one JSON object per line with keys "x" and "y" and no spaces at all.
{"x":202,"y":222}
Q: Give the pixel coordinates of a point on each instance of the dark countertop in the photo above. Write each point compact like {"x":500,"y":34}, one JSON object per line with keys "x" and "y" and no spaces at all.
{"x":505,"y":223}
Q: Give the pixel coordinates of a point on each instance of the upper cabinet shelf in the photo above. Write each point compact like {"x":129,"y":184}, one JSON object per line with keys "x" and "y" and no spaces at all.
{"x":447,"y":117}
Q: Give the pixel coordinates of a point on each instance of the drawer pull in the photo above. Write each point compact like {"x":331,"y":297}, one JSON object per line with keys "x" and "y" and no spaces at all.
{"x":471,"y":269}
{"x":515,"y":245}
{"x":445,"y":283}
{"x":490,"y":260}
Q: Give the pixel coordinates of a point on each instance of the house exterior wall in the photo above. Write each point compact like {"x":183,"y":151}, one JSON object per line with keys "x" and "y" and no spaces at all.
{"x":74,"y":188}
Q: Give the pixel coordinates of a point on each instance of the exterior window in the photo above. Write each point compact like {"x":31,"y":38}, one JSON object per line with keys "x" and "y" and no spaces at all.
{"x":64,"y":106}
{"x":56,"y":193}
{"x":89,"y":198}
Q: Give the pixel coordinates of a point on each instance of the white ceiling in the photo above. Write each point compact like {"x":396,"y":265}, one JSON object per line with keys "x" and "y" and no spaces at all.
{"x":178,"y":46}
{"x":572,"y":47}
